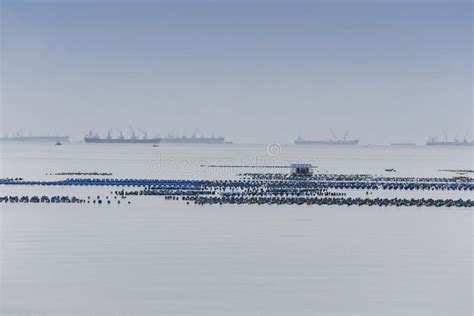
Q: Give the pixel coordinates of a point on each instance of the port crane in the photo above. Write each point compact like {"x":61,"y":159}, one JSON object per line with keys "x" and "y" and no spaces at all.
{"x":133,"y":135}
{"x":346,"y":134}
{"x":145,"y":133}
{"x":120,"y":134}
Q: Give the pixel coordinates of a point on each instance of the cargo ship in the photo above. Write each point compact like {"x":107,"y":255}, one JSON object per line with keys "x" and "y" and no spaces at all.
{"x":93,"y":137}
{"x":332,"y":141}
{"x":18,"y":137}
{"x":194,"y":140}
{"x":433,"y":141}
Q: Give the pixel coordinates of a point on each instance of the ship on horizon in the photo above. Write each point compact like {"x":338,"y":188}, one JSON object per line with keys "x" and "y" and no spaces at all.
{"x":403,"y":144}
{"x":434,"y":141}
{"x":19,"y":137}
{"x":93,"y":137}
{"x":194,"y":139}
{"x":333,"y":141}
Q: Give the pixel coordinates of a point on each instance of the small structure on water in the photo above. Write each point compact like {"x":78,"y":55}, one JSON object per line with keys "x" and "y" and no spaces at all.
{"x":301,"y":169}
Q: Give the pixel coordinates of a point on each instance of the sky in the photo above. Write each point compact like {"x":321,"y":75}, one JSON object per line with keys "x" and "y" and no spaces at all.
{"x":252,"y":71}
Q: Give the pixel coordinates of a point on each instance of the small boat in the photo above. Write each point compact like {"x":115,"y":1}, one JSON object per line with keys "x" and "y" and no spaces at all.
{"x":58,"y":143}
{"x":391,"y":170}
{"x":155,"y":145}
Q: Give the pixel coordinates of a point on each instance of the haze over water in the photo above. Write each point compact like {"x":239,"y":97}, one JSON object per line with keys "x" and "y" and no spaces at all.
{"x":253,"y":71}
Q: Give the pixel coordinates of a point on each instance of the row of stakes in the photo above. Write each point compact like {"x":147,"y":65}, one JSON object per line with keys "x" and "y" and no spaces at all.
{"x":240,"y":184}
{"x":61,"y":199}
{"x":259,"y":189}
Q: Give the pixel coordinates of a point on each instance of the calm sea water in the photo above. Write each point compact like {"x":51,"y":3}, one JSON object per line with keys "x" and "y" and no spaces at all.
{"x":165,"y":257}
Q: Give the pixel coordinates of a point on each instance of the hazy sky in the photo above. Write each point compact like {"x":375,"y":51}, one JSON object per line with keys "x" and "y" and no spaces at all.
{"x":252,"y":71}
